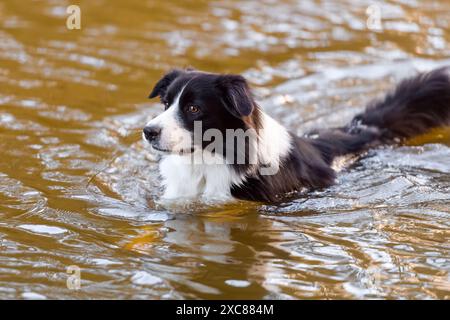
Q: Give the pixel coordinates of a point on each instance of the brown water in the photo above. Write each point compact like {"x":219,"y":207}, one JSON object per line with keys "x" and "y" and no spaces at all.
{"x":77,"y":188}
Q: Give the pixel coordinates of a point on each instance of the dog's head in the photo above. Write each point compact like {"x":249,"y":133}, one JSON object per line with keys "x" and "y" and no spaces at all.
{"x":216,"y":101}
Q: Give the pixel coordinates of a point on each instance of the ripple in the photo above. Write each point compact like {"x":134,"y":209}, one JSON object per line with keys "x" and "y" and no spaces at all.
{"x":145,"y":278}
{"x":78,"y":188}
{"x":33,"y":296}
{"x":42,"y":229}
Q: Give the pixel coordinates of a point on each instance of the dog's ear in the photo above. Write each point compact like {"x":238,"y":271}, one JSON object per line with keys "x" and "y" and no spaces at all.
{"x":164,"y":82}
{"x":236,"y":95}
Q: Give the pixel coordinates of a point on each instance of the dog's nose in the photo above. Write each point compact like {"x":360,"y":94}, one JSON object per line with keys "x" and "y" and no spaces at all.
{"x":151,"y":133}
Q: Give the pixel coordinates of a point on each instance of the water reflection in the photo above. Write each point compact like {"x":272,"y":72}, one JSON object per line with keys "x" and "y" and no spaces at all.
{"x":77,"y":186}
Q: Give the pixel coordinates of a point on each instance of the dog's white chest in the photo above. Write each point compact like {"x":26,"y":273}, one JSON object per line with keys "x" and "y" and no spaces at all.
{"x":183,"y":179}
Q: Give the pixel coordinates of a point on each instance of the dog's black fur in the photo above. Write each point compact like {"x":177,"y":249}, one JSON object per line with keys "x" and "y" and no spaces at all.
{"x":415,"y":106}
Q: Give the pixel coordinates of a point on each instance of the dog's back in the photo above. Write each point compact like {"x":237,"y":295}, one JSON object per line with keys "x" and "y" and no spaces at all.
{"x":415,"y":106}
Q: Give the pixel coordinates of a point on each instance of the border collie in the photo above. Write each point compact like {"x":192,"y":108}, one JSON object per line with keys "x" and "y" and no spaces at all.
{"x":271,"y":163}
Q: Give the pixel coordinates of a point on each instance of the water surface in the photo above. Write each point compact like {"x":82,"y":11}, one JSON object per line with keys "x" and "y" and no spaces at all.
{"x":77,"y":187}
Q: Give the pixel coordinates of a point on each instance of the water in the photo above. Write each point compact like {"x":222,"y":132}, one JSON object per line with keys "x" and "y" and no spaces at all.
{"x":77,"y":188}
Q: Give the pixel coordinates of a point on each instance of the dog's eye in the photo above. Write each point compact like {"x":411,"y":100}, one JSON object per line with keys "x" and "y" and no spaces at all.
{"x":193,"y":109}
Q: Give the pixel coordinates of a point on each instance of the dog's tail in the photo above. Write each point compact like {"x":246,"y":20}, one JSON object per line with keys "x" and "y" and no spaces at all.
{"x":416,"y":105}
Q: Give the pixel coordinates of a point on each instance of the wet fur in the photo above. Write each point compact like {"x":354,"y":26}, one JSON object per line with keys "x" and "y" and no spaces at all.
{"x":415,"y":106}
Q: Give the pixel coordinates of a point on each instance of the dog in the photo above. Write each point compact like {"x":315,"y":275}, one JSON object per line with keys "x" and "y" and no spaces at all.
{"x":274,"y":163}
